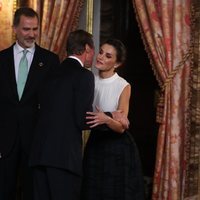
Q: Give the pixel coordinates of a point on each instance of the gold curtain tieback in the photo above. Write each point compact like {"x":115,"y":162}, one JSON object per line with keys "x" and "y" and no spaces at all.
{"x":168,"y":81}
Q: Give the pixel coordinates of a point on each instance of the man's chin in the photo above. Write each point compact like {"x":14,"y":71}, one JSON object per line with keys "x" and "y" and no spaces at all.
{"x":87,"y":64}
{"x":29,"y":44}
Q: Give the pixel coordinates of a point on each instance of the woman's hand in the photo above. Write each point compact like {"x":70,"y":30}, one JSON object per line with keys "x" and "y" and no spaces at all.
{"x":97,"y":118}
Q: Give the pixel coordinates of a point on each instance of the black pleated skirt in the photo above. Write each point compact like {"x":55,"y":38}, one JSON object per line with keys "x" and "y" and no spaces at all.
{"x":111,"y":168}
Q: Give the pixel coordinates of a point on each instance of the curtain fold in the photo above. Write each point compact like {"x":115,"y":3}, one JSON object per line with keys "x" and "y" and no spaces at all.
{"x":165,"y":29}
{"x":192,"y":186}
{"x":57,"y":19}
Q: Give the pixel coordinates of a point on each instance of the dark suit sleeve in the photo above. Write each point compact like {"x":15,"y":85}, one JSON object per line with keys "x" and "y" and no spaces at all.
{"x":84,"y":98}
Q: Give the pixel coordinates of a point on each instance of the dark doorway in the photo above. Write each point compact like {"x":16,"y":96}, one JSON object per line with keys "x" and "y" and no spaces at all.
{"x":118,"y":20}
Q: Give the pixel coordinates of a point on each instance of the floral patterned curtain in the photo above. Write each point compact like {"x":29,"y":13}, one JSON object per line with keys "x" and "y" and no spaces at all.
{"x":165,"y":28}
{"x":57,"y":18}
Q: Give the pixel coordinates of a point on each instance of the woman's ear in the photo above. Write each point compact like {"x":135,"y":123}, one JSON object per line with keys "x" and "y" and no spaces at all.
{"x":117,"y":65}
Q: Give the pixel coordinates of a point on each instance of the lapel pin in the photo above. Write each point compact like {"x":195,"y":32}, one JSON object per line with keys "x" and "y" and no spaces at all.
{"x":41,"y":64}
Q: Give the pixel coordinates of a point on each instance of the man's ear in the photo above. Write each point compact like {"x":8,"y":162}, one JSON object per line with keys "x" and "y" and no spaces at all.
{"x":87,"y":48}
{"x":14,"y":29}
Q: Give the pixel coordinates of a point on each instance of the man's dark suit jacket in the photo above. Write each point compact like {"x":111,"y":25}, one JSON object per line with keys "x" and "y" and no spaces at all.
{"x":64,"y":103}
{"x":18,"y":117}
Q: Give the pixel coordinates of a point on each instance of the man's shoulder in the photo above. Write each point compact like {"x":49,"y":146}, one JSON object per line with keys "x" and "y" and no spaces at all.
{"x":7,"y":50}
{"x":44,"y":51}
{"x":71,"y":63}
{"x":6,"y":54}
{"x":74,"y":66}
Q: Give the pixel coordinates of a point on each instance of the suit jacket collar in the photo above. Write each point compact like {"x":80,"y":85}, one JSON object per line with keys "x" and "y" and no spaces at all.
{"x":74,"y":57}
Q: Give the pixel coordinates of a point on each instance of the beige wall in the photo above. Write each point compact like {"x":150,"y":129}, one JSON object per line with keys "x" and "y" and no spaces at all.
{"x":7,"y":8}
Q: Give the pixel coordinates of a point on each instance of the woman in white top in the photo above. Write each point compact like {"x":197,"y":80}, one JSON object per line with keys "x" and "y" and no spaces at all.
{"x":111,"y":165}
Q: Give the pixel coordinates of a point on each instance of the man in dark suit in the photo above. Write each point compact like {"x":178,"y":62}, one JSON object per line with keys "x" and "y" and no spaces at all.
{"x":56,"y":155}
{"x":19,"y":112}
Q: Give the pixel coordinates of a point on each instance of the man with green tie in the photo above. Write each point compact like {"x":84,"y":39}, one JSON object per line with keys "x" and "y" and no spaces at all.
{"x":23,"y":69}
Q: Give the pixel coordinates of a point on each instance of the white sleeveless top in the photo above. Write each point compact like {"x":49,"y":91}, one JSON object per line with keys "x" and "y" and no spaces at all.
{"x":108,"y":91}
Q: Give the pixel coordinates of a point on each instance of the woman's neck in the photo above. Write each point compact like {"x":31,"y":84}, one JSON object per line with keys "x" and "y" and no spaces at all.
{"x":106,"y":74}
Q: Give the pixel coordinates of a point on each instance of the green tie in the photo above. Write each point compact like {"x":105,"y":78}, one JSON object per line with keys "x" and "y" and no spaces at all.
{"x":22,"y":73}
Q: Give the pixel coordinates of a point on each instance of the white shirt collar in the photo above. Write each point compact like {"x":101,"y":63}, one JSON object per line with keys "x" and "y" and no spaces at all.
{"x":74,"y":57}
{"x":19,"y":49}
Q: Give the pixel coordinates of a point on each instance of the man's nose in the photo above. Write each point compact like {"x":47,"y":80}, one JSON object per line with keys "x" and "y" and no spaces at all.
{"x":31,"y":33}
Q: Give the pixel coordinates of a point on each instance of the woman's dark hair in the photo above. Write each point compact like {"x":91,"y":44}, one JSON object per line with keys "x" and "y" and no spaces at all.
{"x":76,"y":42}
{"x":119,"y":47}
{"x":26,"y":11}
